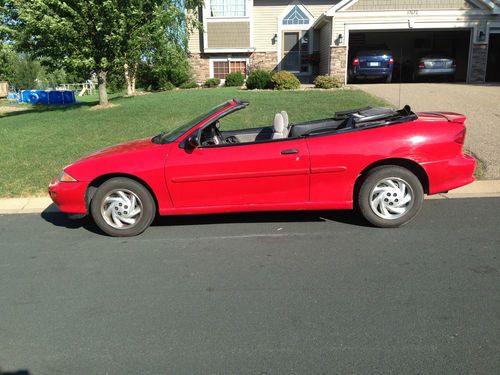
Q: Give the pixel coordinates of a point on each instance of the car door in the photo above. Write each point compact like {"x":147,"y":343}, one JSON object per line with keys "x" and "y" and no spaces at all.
{"x":274,"y":172}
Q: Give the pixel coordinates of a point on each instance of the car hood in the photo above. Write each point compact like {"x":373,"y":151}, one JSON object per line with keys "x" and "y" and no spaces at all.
{"x":137,"y":145}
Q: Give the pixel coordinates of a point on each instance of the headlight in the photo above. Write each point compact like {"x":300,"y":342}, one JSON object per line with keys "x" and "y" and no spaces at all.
{"x":64,"y":177}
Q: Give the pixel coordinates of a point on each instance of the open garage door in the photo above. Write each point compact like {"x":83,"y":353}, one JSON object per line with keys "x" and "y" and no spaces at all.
{"x":493,"y":69}
{"x":408,"y":46}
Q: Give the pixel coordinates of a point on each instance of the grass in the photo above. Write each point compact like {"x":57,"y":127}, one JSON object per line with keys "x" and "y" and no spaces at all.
{"x":37,"y":143}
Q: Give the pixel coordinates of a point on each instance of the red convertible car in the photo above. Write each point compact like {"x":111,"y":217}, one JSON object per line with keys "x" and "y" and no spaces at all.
{"x":378,"y":160}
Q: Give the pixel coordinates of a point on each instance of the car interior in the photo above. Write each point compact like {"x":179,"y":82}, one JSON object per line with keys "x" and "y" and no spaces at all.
{"x":282,"y":129}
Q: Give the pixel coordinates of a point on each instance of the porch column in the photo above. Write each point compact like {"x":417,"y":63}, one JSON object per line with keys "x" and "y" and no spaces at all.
{"x":338,"y":62}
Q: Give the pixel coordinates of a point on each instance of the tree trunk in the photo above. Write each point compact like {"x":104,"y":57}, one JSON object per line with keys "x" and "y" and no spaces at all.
{"x":127,"y":79}
{"x":101,"y":80}
{"x":130,"y":78}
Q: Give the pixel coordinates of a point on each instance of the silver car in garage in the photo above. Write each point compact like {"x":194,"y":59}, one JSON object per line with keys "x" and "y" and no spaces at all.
{"x":434,"y":64}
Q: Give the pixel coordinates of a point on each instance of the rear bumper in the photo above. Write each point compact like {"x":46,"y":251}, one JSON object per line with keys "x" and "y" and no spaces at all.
{"x":69,"y":197}
{"x":450,"y":174}
{"x":435,"y":72}
{"x":371,"y":72}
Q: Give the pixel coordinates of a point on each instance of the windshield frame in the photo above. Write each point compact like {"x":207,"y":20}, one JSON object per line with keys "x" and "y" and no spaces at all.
{"x":178,"y":132}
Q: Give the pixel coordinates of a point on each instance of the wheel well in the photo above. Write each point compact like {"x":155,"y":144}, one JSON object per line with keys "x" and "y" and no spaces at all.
{"x":412,"y":166}
{"x":94,"y":185}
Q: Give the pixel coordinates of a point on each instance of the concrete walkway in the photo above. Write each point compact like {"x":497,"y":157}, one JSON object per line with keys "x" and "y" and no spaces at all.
{"x":478,"y":189}
{"x":481,"y":104}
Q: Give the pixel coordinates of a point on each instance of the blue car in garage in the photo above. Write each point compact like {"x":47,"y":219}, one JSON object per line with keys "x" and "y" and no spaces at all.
{"x":372,"y":62}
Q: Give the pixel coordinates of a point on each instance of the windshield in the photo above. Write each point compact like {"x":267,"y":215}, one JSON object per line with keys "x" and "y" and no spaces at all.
{"x":181,"y":130}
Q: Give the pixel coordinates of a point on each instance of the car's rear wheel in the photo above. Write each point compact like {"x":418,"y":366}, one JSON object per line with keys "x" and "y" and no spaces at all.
{"x":122,"y":207}
{"x":390,"y":196}
{"x":388,"y":79}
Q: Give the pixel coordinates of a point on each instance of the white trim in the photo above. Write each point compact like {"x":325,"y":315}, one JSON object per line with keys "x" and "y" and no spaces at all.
{"x":228,"y":59}
{"x":229,"y":50}
{"x":331,"y":12}
{"x":447,"y":13}
{"x":227,"y":19}
{"x":297,"y":28}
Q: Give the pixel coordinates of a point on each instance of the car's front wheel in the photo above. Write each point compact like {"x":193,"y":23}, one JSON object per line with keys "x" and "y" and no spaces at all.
{"x":122,"y":207}
{"x":390,"y":196}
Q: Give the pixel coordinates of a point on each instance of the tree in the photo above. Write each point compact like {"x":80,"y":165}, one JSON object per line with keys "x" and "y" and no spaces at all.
{"x":94,"y":35}
{"x":155,"y":29}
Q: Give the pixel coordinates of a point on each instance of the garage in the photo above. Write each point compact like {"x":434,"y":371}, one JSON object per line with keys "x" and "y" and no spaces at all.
{"x":408,"y":45}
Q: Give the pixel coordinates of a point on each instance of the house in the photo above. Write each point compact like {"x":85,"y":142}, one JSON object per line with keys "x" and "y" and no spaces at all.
{"x":311,"y":37}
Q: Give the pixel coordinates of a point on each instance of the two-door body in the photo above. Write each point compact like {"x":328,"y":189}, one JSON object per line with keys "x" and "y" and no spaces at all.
{"x":310,"y":171}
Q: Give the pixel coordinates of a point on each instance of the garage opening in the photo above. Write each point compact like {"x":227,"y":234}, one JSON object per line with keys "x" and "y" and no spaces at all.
{"x":409,"y":47}
{"x":493,"y":69}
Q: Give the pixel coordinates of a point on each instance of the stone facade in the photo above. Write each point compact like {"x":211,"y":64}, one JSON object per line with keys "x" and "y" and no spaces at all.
{"x":478,"y":63}
{"x":264,"y":60}
{"x":200,"y":65}
{"x":338,"y":62}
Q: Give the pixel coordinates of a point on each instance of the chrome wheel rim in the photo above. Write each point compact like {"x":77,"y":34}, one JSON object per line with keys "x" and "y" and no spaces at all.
{"x":121,"y":209}
{"x":391,"y":198}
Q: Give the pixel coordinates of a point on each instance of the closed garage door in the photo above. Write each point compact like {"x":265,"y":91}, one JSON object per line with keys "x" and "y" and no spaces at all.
{"x":407,"y":46}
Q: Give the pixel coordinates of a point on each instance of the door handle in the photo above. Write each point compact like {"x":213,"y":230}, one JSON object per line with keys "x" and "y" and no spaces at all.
{"x":290,"y":151}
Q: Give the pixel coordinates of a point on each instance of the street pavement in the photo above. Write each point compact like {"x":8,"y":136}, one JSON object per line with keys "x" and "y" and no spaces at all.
{"x":479,"y":102}
{"x":276,"y":293}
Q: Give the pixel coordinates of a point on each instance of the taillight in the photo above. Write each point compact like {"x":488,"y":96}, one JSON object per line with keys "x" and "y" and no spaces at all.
{"x":355,"y":61}
{"x":460,"y":137}
{"x":421,"y":65}
{"x":391,"y":61}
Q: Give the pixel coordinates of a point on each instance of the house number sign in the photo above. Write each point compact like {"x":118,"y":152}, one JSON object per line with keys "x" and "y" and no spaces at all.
{"x":412,"y":12}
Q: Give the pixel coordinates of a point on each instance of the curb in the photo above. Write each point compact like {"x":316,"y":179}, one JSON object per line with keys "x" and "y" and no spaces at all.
{"x":34,"y":205}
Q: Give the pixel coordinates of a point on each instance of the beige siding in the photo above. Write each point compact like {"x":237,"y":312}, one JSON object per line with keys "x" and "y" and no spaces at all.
{"x":194,"y":42}
{"x":266,"y":13}
{"x":372,"y":5}
{"x":228,"y":34}
{"x":325,"y":41}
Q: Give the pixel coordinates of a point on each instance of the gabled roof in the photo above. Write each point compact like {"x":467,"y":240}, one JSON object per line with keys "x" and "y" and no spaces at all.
{"x":492,"y":5}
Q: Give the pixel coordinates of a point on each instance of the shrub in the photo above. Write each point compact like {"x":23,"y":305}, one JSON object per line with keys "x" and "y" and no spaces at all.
{"x":259,"y":79}
{"x":167,"y":86}
{"x":235,"y":79}
{"x":212,"y":82}
{"x":327,"y":82}
{"x":285,"y":81}
{"x":189,"y":85}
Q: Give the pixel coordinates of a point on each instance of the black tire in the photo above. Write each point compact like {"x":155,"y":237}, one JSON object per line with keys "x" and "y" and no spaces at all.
{"x":380,"y":213}
{"x":136,"y":193}
{"x":388,"y":79}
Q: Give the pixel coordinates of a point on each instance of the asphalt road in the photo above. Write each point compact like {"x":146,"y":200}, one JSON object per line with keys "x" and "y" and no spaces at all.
{"x":284,"y":293}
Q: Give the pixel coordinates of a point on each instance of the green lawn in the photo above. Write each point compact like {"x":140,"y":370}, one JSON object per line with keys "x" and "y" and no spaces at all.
{"x":38,"y":142}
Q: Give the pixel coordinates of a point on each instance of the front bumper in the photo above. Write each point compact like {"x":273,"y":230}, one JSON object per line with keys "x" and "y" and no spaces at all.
{"x":450,"y":174}
{"x":69,"y":197}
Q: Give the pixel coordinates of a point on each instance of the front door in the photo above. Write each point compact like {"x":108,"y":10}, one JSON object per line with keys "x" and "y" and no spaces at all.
{"x":275,"y":172}
{"x":296,"y":52}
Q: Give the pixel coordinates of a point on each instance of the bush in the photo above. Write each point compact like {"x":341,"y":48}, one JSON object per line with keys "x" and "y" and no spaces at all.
{"x":212,"y":82}
{"x":235,"y":79}
{"x":285,"y":81}
{"x":189,"y":85}
{"x":167,"y":86}
{"x":259,"y":79}
{"x":327,"y":82}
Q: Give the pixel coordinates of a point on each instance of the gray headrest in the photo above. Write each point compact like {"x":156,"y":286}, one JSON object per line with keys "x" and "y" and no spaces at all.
{"x":279,"y":123}
{"x":285,"y":118}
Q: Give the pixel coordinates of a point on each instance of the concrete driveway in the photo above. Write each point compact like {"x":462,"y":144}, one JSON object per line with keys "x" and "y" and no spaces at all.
{"x":481,"y":104}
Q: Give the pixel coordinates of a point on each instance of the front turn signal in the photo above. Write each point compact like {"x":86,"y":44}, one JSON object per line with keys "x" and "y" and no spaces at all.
{"x":64,"y":177}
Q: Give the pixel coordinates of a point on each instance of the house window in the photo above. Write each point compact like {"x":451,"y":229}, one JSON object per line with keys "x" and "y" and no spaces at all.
{"x":228,"y":8}
{"x":222,"y":68}
{"x":296,"y":17}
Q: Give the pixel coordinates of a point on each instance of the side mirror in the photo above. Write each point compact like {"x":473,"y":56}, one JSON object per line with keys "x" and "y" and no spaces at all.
{"x":193,"y":141}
